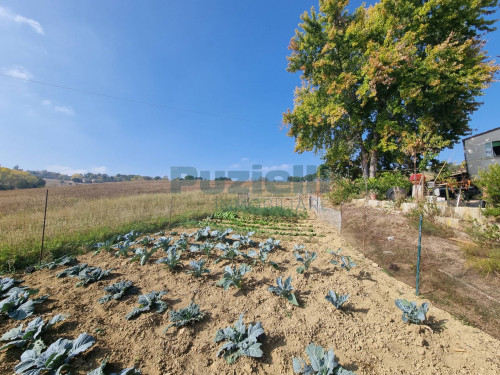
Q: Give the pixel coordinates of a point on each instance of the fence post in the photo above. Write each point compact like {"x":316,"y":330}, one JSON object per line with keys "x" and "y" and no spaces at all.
{"x":44,"y":221}
{"x":418,"y":253}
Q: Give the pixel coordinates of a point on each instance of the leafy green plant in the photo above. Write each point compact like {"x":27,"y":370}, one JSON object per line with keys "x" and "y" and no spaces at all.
{"x":230,"y":252}
{"x":116,"y":291}
{"x":333,"y":252}
{"x":62,"y":261}
{"x":244,"y":240}
{"x":55,"y":358}
{"x":19,"y":337}
{"x":224,"y":215}
{"x":146,"y":241}
{"x":72,"y":271}
{"x":241,"y":341}
{"x":185,"y":316}
{"x":143,"y":255}
{"x":182,"y":243}
{"x":197,"y":268}
{"x":172,"y":260}
{"x":411,"y":312}
{"x":123,"y":249}
{"x":202,"y":234}
{"x":284,"y":290}
{"x":321,"y":363}
{"x":130,"y":236}
{"x":205,"y":248}
{"x":270,"y":244}
{"x":163,"y":243}
{"x":220,"y":236}
{"x":234,"y":276}
{"x":17,"y":303}
{"x":346,"y":263}
{"x":148,"y":302}
{"x":6,"y":283}
{"x":305,"y":259}
{"x":489,"y":182}
{"x":90,"y":275}
{"x":262,"y":257}
{"x":100,"y":370}
{"x":336,"y":300}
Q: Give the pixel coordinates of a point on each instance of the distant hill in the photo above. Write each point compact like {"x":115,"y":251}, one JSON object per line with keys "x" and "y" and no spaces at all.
{"x":15,"y":179}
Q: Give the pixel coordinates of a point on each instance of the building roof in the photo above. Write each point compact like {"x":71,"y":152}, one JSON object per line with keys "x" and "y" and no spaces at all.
{"x":475,"y":135}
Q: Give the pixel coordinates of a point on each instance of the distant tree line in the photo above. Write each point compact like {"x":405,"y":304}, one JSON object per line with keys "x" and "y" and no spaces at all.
{"x":17,"y":179}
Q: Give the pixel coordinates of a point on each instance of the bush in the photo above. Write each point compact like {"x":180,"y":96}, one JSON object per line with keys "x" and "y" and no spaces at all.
{"x":489,"y":182}
{"x":344,"y":190}
{"x":387,"y":180}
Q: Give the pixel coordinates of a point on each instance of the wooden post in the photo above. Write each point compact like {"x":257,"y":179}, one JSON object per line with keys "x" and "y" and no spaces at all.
{"x":44,"y":221}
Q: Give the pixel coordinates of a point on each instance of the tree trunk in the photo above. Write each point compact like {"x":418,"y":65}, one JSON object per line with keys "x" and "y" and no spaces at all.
{"x":373,"y":163}
{"x":364,"y":164}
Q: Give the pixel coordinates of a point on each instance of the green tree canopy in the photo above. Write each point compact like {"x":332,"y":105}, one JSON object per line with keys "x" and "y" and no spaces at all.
{"x":373,"y":78}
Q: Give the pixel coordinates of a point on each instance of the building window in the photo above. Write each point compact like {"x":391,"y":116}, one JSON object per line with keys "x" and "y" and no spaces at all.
{"x":496,"y":148}
{"x":488,"y":150}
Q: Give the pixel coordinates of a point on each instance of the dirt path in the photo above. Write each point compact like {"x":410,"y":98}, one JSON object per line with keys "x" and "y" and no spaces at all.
{"x":370,"y":338}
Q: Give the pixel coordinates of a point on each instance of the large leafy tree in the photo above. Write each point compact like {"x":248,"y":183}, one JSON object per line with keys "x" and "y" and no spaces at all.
{"x":377,"y":79}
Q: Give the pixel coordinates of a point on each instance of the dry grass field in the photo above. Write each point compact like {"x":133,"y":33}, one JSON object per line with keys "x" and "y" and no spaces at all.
{"x":83,"y":214}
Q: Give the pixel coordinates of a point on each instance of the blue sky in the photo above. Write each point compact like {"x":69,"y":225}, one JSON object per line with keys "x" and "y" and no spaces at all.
{"x":216,"y":69}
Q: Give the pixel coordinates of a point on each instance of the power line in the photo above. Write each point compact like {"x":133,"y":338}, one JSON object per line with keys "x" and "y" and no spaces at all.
{"x":159,"y":106}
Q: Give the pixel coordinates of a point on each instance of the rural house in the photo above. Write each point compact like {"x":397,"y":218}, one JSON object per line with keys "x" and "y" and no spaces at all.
{"x":482,"y":150}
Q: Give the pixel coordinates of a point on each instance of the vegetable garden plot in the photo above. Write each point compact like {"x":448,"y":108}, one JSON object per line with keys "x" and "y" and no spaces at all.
{"x":367,"y":334}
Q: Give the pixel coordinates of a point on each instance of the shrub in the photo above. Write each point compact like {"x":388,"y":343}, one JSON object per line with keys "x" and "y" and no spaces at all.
{"x":489,"y":181}
{"x":344,"y":190}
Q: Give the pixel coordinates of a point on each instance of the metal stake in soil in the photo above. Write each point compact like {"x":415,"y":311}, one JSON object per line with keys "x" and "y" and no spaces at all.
{"x":44,"y":221}
{"x":418,"y":254}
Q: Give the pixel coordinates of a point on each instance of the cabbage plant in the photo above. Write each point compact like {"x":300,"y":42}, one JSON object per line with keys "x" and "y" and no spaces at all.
{"x":6,"y":283}
{"x":142,"y":255}
{"x":72,"y":271}
{"x":130,"y":236}
{"x":321,"y":363}
{"x":205,"y":248}
{"x":220,"y":236}
{"x":262,"y":257}
{"x":185,"y":316}
{"x":62,"y":261}
{"x":100,"y":370}
{"x":148,"y":302}
{"x":201,"y":234}
{"x":197,"y":268}
{"x":234,"y":276}
{"x":55,"y":359}
{"x":305,"y":259}
{"x":229,"y":252}
{"x":336,"y":300}
{"x":17,"y":303}
{"x":116,"y":291}
{"x":19,"y":337}
{"x":123,"y":249}
{"x":163,"y":243}
{"x":90,"y":275}
{"x":172,"y":260}
{"x":241,"y":340}
{"x":269,"y":245}
{"x":244,"y":240}
{"x":411,"y":312}
{"x":346,"y":263}
{"x":284,"y":290}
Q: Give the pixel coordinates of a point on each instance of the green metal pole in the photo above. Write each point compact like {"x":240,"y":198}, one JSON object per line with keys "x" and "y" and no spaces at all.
{"x":418,"y":255}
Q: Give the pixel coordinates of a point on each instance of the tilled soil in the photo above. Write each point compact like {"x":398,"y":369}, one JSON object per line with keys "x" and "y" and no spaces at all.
{"x":369,"y":337}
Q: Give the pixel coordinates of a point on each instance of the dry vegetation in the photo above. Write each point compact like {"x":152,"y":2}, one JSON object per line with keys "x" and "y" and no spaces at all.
{"x":84,"y":214}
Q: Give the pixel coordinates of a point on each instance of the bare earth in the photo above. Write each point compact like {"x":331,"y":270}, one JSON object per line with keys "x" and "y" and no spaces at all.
{"x":369,"y":338}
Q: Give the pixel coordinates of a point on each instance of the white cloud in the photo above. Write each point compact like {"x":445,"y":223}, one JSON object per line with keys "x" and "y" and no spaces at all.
{"x":64,"y":109}
{"x":59,"y":108}
{"x":245,"y":159}
{"x":70,"y":171}
{"x":8,"y":15}
{"x":18,"y":71}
